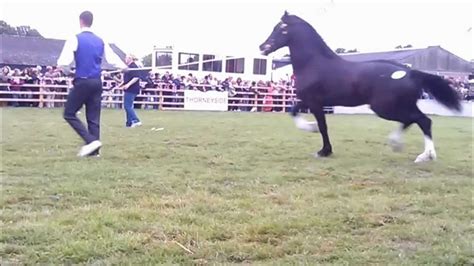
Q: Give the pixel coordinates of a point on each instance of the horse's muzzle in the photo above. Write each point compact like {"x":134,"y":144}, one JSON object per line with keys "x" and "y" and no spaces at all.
{"x":265,"y":49}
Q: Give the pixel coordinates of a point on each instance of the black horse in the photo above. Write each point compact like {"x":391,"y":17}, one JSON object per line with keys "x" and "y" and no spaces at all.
{"x":325,"y":79}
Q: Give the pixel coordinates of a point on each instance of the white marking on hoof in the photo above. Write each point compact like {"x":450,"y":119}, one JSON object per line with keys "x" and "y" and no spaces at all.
{"x":429,"y":154}
{"x":305,"y":125}
{"x":398,"y":74}
{"x":395,"y":140}
{"x":317,"y":156}
{"x":425,"y":157}
{"x":397,"y":146}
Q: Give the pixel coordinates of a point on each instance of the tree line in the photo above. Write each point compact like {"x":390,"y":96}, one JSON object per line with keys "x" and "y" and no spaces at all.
{"x":7,"y":29}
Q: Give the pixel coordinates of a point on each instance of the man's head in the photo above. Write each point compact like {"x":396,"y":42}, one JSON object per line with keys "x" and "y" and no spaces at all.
{"x":85,"y":19}
{"x":129,"y":58}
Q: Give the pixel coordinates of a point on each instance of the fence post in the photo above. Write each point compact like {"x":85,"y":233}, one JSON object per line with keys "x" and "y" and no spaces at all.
{"x":255,"y":101}
{"x":160,"y":106}
{"x":41,"y":89}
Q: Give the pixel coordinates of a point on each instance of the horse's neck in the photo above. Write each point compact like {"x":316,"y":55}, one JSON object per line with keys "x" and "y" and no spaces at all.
{"x":300,"y":57}
{"x":307,"y":48}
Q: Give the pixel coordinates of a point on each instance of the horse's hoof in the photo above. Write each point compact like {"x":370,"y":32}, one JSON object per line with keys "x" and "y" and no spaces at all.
{"x":397,"y":146}
{"x":313,"y":127}
{"x":395,"y":142}
{"x":426,"y":157}
{"x":304,"y":125}
{"x":323,"y":153}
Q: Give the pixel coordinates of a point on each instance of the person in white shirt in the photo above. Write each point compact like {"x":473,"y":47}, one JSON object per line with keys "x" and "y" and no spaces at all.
{"x":87,"y":50}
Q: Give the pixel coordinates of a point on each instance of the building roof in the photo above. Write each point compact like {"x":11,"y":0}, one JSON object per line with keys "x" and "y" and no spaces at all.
{"x":23,"y":50}
{"x":432,"y":58}
{"x":395,"y":55}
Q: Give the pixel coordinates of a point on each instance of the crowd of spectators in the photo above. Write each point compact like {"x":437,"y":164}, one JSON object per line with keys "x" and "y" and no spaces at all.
{"x":461,"y":86}
{"x":244,"y":95}
{"x":25,"y":83}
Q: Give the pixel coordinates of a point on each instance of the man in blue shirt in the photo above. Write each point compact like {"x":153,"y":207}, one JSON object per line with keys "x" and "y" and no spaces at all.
{"x":87,"y":50}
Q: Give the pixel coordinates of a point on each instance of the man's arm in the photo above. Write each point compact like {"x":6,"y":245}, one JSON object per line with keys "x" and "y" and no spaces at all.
{"x":67,"y":55}
{"x":130,"y":83}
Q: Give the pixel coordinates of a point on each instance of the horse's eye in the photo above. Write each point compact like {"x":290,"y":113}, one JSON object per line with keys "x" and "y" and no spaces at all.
{"x":283,"y":25}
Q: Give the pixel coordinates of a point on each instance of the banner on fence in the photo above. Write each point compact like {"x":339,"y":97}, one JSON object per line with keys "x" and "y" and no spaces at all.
{"x":205,"y":101}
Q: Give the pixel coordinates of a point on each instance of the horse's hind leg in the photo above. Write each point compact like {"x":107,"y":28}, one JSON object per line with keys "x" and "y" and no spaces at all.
{"x":425,"y":124}
{"x":395,"y":137}
{"x":404,"y":116}
{"x":408,"y":116}
{"x":414,"y":115}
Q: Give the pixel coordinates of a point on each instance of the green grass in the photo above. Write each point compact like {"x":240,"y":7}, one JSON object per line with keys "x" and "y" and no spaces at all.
{"x":233,"y":188}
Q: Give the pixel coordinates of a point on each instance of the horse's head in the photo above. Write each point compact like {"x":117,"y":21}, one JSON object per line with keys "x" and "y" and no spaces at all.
{"x":278,"y":38}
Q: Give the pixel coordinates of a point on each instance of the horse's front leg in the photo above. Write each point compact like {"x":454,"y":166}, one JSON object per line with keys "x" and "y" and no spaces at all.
{"x":318,"y":113}
{"x":295,"y":109}
{"x":300,"y":122}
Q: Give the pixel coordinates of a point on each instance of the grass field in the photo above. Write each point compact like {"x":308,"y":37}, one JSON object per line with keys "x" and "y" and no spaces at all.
{"x":233,"y":188}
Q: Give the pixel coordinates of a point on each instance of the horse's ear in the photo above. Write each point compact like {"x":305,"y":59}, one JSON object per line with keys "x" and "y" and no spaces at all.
{"x":286,"y":13}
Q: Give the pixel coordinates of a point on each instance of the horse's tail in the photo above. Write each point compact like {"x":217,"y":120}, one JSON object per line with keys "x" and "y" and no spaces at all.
{"x":439,"y":88}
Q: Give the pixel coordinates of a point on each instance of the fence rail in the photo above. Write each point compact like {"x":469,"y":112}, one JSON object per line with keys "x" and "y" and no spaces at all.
{"x":163,"y":96}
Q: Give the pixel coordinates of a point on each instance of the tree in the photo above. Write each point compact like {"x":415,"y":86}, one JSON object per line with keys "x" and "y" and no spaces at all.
{"x":162,"y":60}
{"x":402,"y":47}
{"x":344,"y":51}
{"x":6,"y":29}
{"x":33,"y":33}
{"x":146,"y":60}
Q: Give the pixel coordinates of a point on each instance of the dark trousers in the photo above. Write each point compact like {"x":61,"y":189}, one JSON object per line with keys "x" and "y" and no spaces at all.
{"x":88,"y":92}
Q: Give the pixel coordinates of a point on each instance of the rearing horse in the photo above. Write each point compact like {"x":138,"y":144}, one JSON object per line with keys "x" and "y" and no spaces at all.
{"x":325,"y":79}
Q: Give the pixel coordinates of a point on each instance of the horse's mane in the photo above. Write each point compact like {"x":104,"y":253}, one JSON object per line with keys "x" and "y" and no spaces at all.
{"x":311,"y":34}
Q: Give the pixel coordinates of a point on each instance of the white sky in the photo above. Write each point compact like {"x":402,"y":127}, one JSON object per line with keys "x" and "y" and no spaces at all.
{"x":242,"y":26}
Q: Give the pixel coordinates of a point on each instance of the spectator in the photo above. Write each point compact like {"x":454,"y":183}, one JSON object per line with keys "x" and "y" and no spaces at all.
{"x":5,"y":79}
{"x":148,"y":90}
{"x":16,"y":81}
{"x":48,"y":80}
{"x":268,"y":98}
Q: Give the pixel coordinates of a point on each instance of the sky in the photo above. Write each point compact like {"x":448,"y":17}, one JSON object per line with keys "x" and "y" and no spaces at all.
{"x":241,"y":26}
